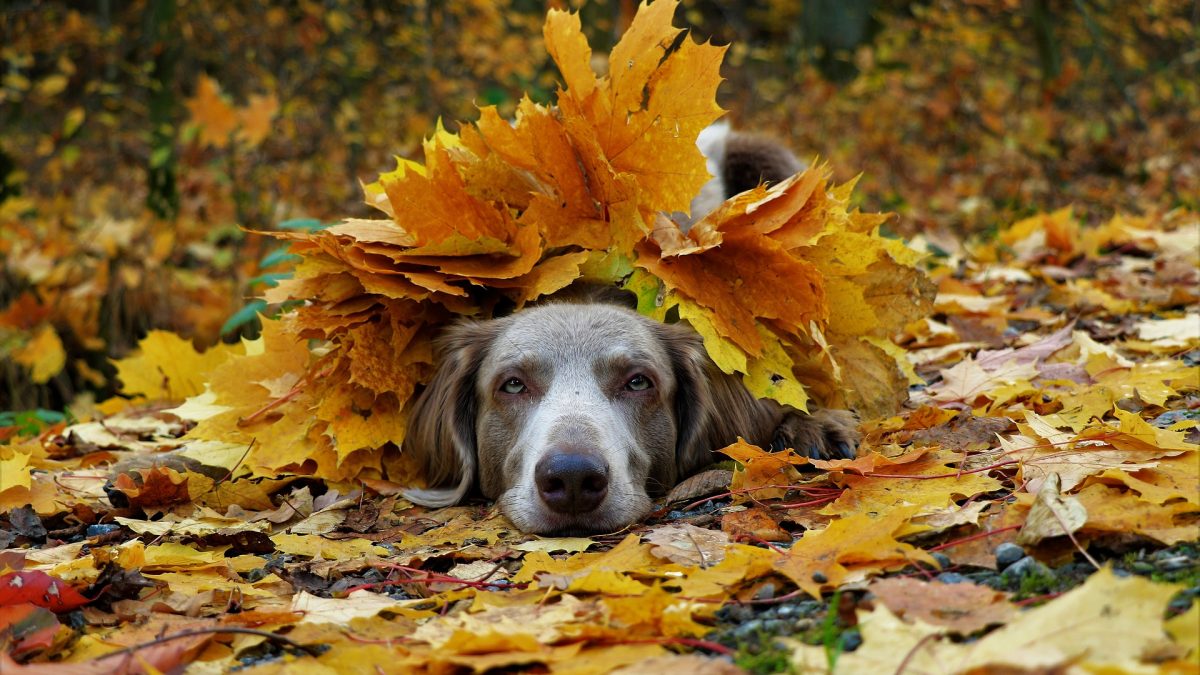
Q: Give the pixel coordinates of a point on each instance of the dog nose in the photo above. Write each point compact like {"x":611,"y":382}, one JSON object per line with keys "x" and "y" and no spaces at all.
{"x":571,"y":482}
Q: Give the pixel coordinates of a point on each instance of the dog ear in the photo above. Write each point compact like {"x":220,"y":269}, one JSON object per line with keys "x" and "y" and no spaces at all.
{"x":712,"y":408}
{"x":441,"y":424}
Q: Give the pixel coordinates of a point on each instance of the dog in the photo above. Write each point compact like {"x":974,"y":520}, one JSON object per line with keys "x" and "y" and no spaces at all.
{"x":574,"y":416}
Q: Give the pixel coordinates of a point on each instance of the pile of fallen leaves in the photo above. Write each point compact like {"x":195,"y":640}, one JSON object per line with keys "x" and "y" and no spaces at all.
{"x":1054,"y":394}
{"x":82,"y":277}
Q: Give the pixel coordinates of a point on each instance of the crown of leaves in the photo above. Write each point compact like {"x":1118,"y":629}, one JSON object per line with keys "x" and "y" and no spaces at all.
{"x":786,"y":285}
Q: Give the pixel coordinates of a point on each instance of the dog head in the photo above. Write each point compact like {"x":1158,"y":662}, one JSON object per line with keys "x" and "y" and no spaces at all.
{"x":571,"y":416}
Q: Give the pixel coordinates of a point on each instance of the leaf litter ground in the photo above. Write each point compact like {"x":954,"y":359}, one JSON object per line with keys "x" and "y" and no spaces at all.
{"x":1049,"y":431}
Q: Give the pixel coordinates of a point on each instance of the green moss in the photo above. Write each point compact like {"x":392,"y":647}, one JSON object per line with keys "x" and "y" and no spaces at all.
{"x":1037,"y":583}
{"x":763,"y":654}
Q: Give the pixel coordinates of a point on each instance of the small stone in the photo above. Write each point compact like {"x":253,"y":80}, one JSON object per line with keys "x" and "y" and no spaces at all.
{"x":774,"y":626}
{"x":819,"y":577}
{"x":851,"y":640}
{"x":952,"y":578}
{"x":740,"y":613}
{"x":766,"y":592}
{"x":101,"y":529}
{"x":1008,"y":553}
{"x":786,"y":611}
{"x":942,"y":559}
{"x":809,"y":606}
{"x":1028,"y":566}
{"x":749,"y":628}
{"x":803,"y":624}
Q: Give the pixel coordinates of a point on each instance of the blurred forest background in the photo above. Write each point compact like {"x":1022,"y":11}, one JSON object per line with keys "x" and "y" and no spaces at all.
{"x":143,"y":141}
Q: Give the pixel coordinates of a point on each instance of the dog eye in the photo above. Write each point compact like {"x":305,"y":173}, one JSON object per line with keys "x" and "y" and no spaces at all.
{"x":638,"y":383}
{"x":513,"y":386}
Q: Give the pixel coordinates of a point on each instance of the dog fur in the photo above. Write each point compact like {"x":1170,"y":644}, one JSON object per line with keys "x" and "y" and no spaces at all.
{"x":738,"y":161}
{"x":577,"y":411}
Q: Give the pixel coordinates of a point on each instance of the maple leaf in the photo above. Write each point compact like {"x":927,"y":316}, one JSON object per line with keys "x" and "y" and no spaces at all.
{"x":502,"y":212}
{"x":254,"y":120}
{"x":858,"y":544}
{"x":14,"y":471}
{"x":968,"y":381}
{"x":210,"y":111}
{"x":159,"y":486}
{"x":1114,"y":510}
{"x":753,"y":524}
{"x":645,"y":115}
{"x":40,"y":589}
{"x":761,"y":474}
{"x":168,"y":367}
{"x":931,"y":483}
{"x":43,"y":355}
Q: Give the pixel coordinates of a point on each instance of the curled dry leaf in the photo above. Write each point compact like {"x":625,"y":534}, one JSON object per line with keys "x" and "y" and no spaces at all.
{"x":1052,"y":514}
{"x":687,"y":544}
{"x":702,"y":484}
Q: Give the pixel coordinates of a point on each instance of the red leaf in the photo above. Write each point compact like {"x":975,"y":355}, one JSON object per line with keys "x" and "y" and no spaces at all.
{"x":41,"y":589}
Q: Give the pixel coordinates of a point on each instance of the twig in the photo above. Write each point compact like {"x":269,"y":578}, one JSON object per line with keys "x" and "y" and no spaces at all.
{"x":1071,"y":536}
{"x":293,"y":393}
{"x":973,"y":537}
{"x":913,"y":652}
{"x":311,"y":651}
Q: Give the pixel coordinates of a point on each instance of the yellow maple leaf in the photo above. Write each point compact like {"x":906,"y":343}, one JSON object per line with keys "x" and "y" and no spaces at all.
{"x":43,"y":354}
{"x":14,"y":469}
{"x":254,"y":120}
{"x":1170,"y":478}
{"x":929,"y":483}
{"x":1112,"y":510}
{"x":863,"y":542}
{"x":168,"y":367}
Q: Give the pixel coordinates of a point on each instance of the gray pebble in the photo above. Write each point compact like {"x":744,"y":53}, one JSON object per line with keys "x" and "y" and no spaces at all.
{"x":774,"y":626}
{"x":809,"y":606}
{"x":1008,"y":553}
{"x":786,"y":611}
{"x":766,"y":592}
{"x":952,"y":578}
{"x":942,"y":559}
{"x":741,"y":613}
{"x":1181,"y":562}
{"x":748,"y":628}
{"x":1028,"y":566}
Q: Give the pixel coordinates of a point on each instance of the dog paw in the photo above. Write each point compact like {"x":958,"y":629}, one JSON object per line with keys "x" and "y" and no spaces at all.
{"x":823,"y":434}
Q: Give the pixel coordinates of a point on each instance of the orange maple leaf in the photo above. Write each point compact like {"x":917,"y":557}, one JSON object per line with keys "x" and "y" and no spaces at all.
{"x":215,"y":117}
